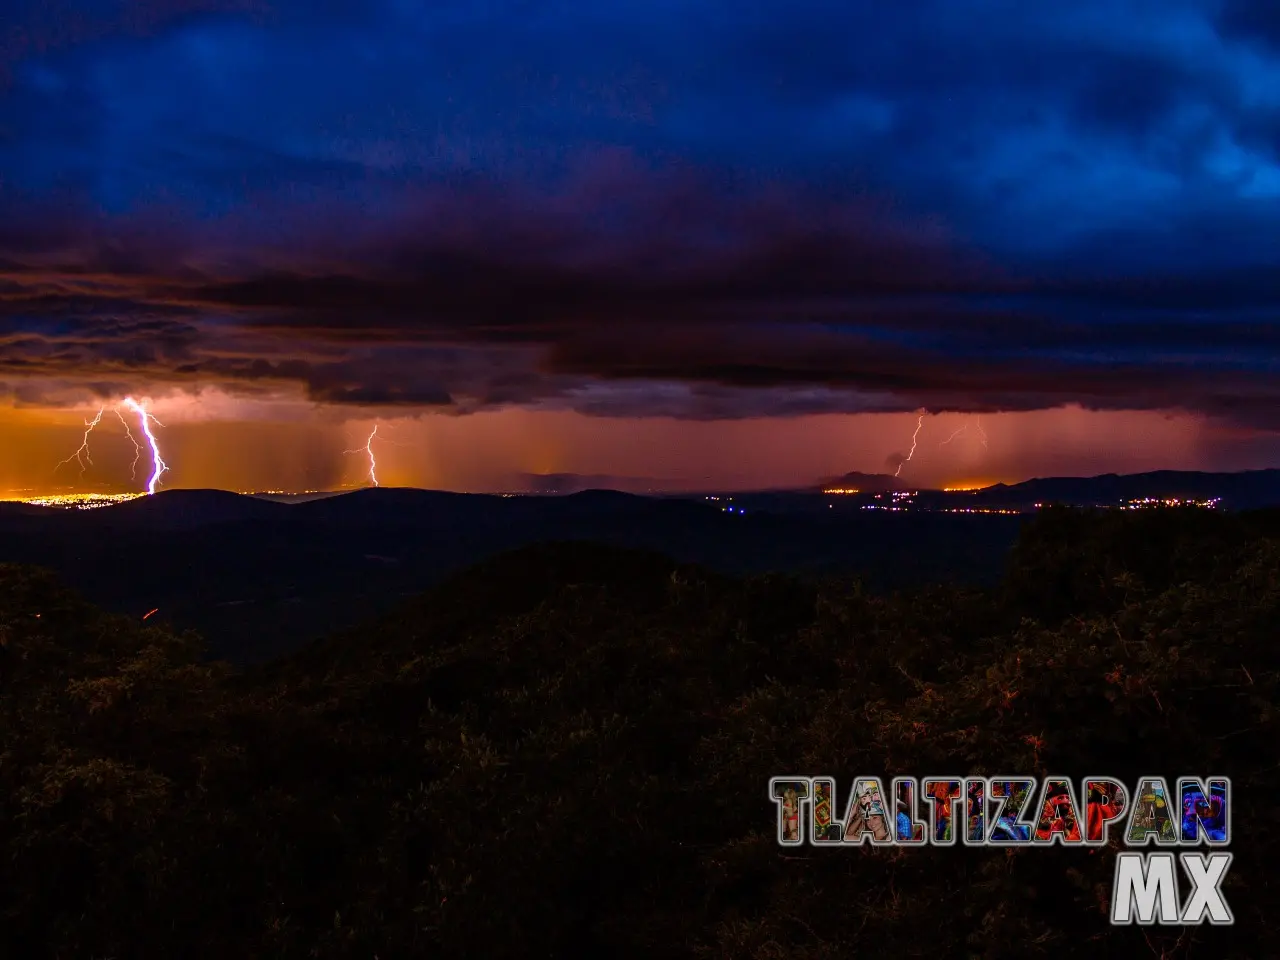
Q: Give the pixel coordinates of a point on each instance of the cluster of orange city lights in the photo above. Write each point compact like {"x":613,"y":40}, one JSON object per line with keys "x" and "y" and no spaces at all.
{"x":77,"y":501}
{"x":852,"y":491}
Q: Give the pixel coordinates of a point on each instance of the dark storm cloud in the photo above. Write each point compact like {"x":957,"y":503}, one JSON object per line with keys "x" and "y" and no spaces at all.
{"x":1251,"y":20}
{"x":691,"y":210}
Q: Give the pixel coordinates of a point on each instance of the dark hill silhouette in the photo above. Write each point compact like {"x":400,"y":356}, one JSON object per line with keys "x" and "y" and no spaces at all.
{"x":16,"y":508}
{"x":1246,"y":490}
{"x":467,"y":603}
{"x":186,"y":510}
{"x":405,"y":504}
{"x":565,"y":483}
{"x":257,"y":577}
{"x":866,"y":482}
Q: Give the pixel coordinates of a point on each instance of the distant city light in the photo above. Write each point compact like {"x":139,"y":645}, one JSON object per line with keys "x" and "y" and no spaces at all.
{"x":278,"y":493}
{"x":1153,"y":503}
{"x":80,"y":501}
{"x":900,"y":501}
{"x":1143,"y":503}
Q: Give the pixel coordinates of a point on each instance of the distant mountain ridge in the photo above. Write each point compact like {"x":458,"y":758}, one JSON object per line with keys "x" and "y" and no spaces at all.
{"x":252,"y":574}
{"x":1247,"y":489}
{"x":866,"y":483}
{"x":1241,"y":491}
{"x":567,"y":483}
{"x":255,"y":576}
{"x":191,"y":508}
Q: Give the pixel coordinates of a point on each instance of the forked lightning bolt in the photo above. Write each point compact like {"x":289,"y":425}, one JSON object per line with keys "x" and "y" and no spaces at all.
{"x":145,"y":420}
{"x":81,"y":456}
{"x":982,"y":434}
{"x":137,"y":447}
{"x":914,"y":437}
{"x":368,"y":449}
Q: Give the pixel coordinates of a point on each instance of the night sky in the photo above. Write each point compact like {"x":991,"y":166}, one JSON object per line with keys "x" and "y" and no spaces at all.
{"x":701,"y":244}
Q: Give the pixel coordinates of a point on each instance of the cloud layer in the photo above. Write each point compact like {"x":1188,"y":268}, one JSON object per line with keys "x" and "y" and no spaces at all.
{"x":699,"y":210}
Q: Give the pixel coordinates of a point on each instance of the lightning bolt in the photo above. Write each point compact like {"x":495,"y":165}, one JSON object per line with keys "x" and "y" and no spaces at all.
{"x":81,"y":456}
{"x":145,"y":420}
{"x":373,"y":464}
{"x":368,"y":448}
{"x":982,"y":434}
{"x":137,"y":447}
{"x":914,"y":437}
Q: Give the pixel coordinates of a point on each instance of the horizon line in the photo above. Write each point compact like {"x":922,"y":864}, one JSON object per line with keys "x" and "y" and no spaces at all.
{"x":818,"y":488}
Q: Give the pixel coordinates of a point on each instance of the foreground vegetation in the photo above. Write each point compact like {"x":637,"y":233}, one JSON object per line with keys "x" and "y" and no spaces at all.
{"x":565,"y":751}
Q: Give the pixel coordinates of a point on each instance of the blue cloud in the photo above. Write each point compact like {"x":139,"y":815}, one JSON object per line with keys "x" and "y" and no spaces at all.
{"x":580,"y":178}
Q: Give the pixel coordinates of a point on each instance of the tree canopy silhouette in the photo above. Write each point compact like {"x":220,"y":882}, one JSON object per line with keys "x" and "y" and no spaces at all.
{"x":566,"y":749}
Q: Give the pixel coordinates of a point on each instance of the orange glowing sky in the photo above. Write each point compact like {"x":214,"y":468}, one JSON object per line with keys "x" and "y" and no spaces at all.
{"x":216,"y":440}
